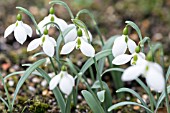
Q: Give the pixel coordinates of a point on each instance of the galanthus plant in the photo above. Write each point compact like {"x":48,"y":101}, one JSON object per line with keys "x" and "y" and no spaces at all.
{"x":97,"y":93}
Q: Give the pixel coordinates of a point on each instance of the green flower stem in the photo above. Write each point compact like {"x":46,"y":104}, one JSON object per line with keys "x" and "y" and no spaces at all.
{"x":7,"y":94}
{"x":98,"y":74}
{"x":52,"y":63}
{"x":91,"y":73}
{"x":94,"y":22}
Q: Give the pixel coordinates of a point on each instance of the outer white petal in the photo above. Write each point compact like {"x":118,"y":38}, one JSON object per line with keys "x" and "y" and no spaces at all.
{"x":66,"y":84}
{"x":119,"y":46}
{"x":42,"y":23}
{"x":54,"y":81}
{"x":133,"y":72}
{"x":85,"y":37}
{"x":72,"y":35}
{"x":52,"y":40}
{"x":131,"y":45}
{"x":28,"y":29}
{"x":121,"y":59}
{"x":34,"y":44}
{"x":142,"y":55}
{"x":9,"y":30}
{"x":156,"y":67}
{"x":20,"y":34}
{"x":87,"y":49}
{"x":61,"y":23}
{"x":48,"y":47}
{"x":155,"y":79}
{"x":68,"y":47}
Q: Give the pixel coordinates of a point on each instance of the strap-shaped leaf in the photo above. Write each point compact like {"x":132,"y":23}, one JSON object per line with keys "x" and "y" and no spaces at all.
{"x":112,"y":69}
{"x":25,"y":76}
{"x":101,"y":95}
{"x":133,"y":93}
{"x":98,"y":56}
{"x":94,"y":105}
{"x":127,"y":103}
{"x":4,"y":102}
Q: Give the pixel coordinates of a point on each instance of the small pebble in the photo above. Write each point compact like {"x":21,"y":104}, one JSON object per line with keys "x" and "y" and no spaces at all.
{"x":11,"y":83}
{"x":35,"y":80}
{"x":31,"y":88}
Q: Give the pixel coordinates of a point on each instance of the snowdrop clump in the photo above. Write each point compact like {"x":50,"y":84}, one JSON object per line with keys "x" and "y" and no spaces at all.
{"x":123,"y":49}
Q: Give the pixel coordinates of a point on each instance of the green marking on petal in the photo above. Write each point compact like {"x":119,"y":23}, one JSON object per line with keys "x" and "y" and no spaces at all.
{"x":147,"y":68}
{"x":43,"y":39}
{"x":52,"y":19}
{"x":135,"y":57}
{"x":16,"y":24}
{"x":126,"y":39}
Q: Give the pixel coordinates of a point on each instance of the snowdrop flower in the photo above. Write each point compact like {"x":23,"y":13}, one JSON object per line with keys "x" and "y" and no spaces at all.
{"x":79,"y":43}
{"x":20,"y":29}
{"x":150,"y":70}
{"x":65,"y":81}
{"x":52,"y":18}
{"x":122,"y":43}
{"x":72,"y":35}
{"x":136,"y":58}
{"x":48,"y":43}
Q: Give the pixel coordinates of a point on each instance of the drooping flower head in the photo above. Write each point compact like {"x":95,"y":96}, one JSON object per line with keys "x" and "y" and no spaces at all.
{"x":122,"y":43}
{"x":136,"y":58}
{"x":20,"y":29}
{"x":48,"y":43}
{"x":80,"y":42}
{"x":66,"y":81}
{"x":151,"y":71}
{"x":52,"y":18}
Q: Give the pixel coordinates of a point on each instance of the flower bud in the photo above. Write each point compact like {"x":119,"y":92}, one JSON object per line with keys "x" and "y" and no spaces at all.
{"x":63,"y":68}
{"x":51,"y":10}
{"x":149,"y":56}
{"x":79,"y":32}
{"x":137,"y":49}
{"x":19,"y":17}
{"x":125,"y":31}
{"x":45,"y":31}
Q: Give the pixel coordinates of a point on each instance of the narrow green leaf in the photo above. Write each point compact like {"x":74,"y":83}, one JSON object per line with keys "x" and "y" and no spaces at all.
{"x":133,"y":93}
{"x":37,"y":54}
{"x":98,"y":56}
{"x":56,"y":91}
{"x":127,"y":103}
{"x":59,"y":2}
{"x":167,"y":74}
{"x":25,"y":76}
{"x":134,"y":26}
{"x":108,"y":97}
{"x":112,"y":69}
{"x":4,"y":102}
{"x":68,"y":104}
{"x":147,"y":91}
{"x":101,"y":95}
{"x":94,"y":105}
{"x":161,"y":98}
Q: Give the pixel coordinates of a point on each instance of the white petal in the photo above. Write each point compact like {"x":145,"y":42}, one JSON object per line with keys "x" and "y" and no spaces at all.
{"x":28,"y":29}
{"x":87,"y":49}
{"x":48,"y":47}
{"x":61,"y":23}
{"x":121,"y":59}
{"x":34,"y":44}
{"x":142,"y":55}
{"x":54,"y":81}
{"x":119,"y":46}
{"x":42,"y":23}
{"x":156,"y":67}
{"x":71,"y":36}
{"x":85,"y":37}
{"x":133,"y":72}
{"x":20,"y":34}
{"x":68,"y":47}
{"x":131,"y":45}
{"x":9,"y":30}
{"x":52,"y":40}
{"x":66,"y":85}
{"x":155,"y":79}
